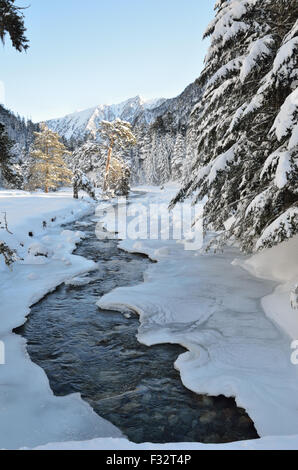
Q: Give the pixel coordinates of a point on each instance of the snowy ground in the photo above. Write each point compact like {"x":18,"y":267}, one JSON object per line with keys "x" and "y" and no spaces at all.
{"x":203,"y":302}
{"x":30,"y":414}
{"x":268,"y":443}
{"x":281,"y":265}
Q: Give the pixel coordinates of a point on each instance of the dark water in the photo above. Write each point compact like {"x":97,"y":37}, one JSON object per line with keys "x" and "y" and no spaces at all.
{"x":95,"y":352}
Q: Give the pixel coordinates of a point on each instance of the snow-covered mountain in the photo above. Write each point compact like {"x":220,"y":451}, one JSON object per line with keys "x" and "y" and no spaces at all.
{"x":76,"y":126}
{"x":160,"y":126}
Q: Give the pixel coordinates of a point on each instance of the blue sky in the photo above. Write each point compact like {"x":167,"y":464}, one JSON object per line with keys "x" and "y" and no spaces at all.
{"x":86,"y":52}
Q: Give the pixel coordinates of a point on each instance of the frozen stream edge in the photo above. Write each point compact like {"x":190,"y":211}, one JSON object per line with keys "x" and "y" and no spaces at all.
{"x":30,"y":415}
{"x":213,"y":309}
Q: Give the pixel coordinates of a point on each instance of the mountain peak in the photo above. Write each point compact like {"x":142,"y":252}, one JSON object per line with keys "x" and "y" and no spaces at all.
{"x":78,"y":124}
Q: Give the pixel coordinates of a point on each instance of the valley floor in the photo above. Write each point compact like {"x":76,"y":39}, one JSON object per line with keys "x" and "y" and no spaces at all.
{"x":208,"y":303}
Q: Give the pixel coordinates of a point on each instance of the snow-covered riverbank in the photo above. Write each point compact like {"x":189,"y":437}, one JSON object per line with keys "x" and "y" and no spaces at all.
{"x":200,"y":301}
{"x":213,"y":308}
{"x":29,"y":412}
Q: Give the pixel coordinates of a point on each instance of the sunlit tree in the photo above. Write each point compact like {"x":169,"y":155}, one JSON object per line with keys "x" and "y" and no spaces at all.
{"x":49,"y":169}
{"x":115,"y":134}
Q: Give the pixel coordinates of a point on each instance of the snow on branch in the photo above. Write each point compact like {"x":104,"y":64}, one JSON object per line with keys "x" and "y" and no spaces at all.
{"x":255,"y":104}
{"x":286,"y":121}
{"x":284,"y":68}
{"x":223,"y":88}
{"x":270,"y":162}
{"x":258,"y":202}
{"x":211,"y":170}
{"x":257,"y":51}
{"x":292,"y":33}
{"x":284,"y":55}
{"x":220,"y":163}
{"x":283,"y":170}
{"x":281,"y":229}
{"x":231,"y":67}
{"x":237,"y":116}
{"x":230,"y":15}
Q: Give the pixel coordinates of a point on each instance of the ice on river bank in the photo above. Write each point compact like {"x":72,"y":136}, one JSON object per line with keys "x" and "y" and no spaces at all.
{"x":202,"y":302}
{"x":213,"y":308}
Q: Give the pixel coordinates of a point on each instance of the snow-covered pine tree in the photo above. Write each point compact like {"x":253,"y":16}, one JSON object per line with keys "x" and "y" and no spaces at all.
{"x":116,"y":135}
{"x":179,"y":153}
{"x":10,"y":170}
{"x":164,"y":157}
{"x":5,"y":147}
{"x":190,"y":150}
{"x":150,"y":158}
{"x":118,"y":180}
{"x":90,"y":158}
{"x":17,"y":129}
{"x":21,"y":135}
{"x":158,"y":161}
{"x":81,"y":182}
{"x":90,"y":161}
{"x":246,"y":125}
{"x":140,"y":153}
{"x":49,"y":169}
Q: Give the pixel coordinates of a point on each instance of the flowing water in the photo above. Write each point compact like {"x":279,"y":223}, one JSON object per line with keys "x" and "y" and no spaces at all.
{"x":95,"y":352}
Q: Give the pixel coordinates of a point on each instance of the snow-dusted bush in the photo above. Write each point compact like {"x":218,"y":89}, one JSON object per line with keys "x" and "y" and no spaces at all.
{"x":38,"y":249}
{"x":294,"y":297}
{"x":8,"y":254}
{"x":81,"y":182}
{"x":89,"y":158}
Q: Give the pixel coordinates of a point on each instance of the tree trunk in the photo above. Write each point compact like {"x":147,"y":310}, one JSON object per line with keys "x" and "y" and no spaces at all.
{"x":75,"y":191}
{"x":47,"y":172}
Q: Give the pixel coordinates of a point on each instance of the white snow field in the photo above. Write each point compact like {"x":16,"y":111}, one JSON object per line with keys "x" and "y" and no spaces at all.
{"x":200,"y":301}
{"x":268,"y":443}
{"x":280,"y":264}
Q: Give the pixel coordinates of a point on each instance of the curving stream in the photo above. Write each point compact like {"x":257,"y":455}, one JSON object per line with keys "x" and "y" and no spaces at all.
{"x":95,"y":352}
